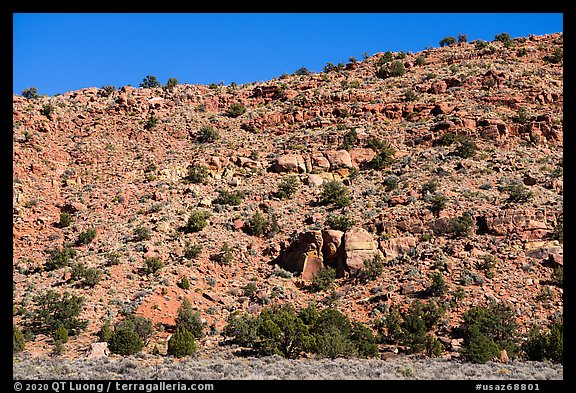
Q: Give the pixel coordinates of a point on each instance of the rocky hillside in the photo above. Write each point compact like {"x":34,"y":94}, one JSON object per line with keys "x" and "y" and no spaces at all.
{"x":444,"y":161}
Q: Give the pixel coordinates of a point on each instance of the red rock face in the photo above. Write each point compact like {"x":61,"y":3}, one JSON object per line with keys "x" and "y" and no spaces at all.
{"x":96,"y":162}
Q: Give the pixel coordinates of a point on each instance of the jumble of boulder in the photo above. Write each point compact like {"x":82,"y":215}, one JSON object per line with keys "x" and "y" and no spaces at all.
{"x":343,"y":251}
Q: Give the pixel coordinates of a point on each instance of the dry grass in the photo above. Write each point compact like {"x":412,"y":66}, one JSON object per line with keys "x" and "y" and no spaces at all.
{"x":227,"y":366}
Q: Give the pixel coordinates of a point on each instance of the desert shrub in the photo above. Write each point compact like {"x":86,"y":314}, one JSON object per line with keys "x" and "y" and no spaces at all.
{"x":18,"y":341}
{"x":339,"y":222}
{"x":302,"y":71}
{"x":181,"y":343}
{"x":113,"y":258}
{"x":256,"y":225}
{"x":196,"y":221}
{"x":192,"y":251}
{"x":486,"y":328}
{"x":480,"y":44}
{"x":521,"y":52}
{"x":419,"y":320}
{"x":384,"y":154}
{"x":462,"y":38}
{"x":487,"y":264}
{"x":207,"y":134}
{"x":333,"y":335}
{"x":461,"y":226}
{"x":151,"y":122}
{"x":448,"y":139}
{"x":105,"y":332}
{"x":184,"y":283}
{"x":198,"y":174}
{"x":522,"y":116}
{"x":61,"y":335}
{"x":87,"y":236}
{"x":54,"y":311}
{"x":107,"y":90}
{"x":503,"y":38}
{"x":332,"y":344}
{"x":410,"y":95}
{"x":420,"y":61}
{"x":373,"y":268}
{"x":323,"y":279}
{"x":518,"y":193}
{"x":350,"y":140}
{"x":545,"y":345}
{"x":59,"y":258}
{"x":225,"y":256}
{"x":397,"y":69}
{"x":236,"y":110}
{"x":141,"y":233}
{"x":429,"y":187}
{"x":47,"y":110}
{"x":558,"y":276}
{"x":189,"y":319}
{"x":65,"y":220}
{"x":390,"y":70}
{"x":329,"y":67}
{"x":280,"y":331}
{"x":438,"y":286}
{"x":334,"y":192}
{"x":556,"y":57}
{"x":364,"y":340}
{"x":386,"y":57}
{"x":437,"y":204}
{"x":137,"y":323}
{"x":153,"y":264}
{"x":412,"y":329}
{"x":241,"y":329}
{"x":477,"y":347}
{"x":390,"y":182}
{"x":466,"y":148}
{"x":390,"y":328}
{"x":149,"y":81}
{"x":287,"y":187}
{"x":125,"y":341}
{"x":226,"y":197}
{"x":468,"y":277}
{"x":447,"y":41}
{"x":30,"y":93}
{"x":171,"y":83}
{"x":89,"y":276}
{"x":249,"y":290}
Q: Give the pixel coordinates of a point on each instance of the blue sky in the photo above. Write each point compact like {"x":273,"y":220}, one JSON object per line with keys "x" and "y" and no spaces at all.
{"x":57,"y":53}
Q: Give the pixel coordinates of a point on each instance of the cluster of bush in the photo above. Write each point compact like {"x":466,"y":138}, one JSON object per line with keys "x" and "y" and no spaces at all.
{"x":55,"y":315}
{"x":281,"y":329}
{"x":465,"y":147}
{"x":284,"y":331}
{"x":412,"y":329}
{"x":384,"y":154}
{"x":335,"y":193}
{"x":491,"y":329}
{"x":130,"y":335}
{"x":189,"y":328}
{"x":287,"y":187}
{"x":150,"y":82}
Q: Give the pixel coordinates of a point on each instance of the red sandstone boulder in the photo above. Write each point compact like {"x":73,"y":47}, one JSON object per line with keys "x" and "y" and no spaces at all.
{"x":290,"y":163}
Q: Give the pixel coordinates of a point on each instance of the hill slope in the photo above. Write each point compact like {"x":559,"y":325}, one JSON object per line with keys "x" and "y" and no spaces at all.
{"x":480,"y":125}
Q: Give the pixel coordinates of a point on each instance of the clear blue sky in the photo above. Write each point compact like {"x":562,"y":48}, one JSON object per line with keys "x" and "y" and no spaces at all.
{"x":57,"y":53}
